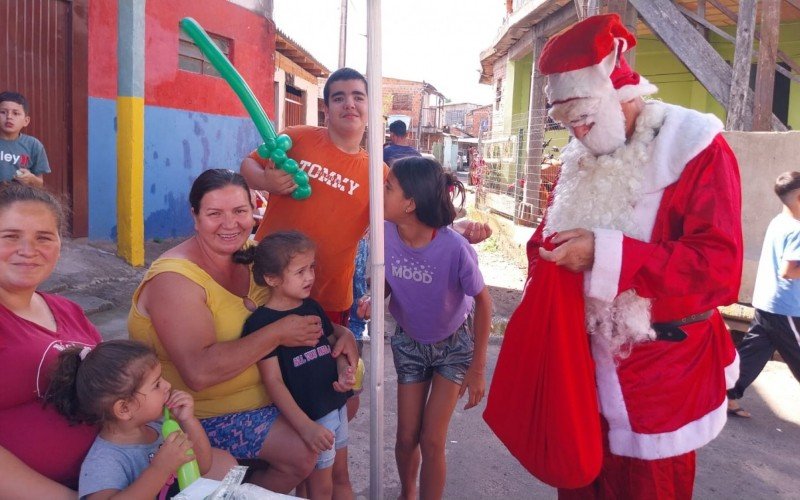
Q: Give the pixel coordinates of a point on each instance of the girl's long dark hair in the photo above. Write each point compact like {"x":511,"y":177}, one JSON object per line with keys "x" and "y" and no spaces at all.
{"x":432,"y":188}
{"x":274,"y":252}
{"x":84,"y":391}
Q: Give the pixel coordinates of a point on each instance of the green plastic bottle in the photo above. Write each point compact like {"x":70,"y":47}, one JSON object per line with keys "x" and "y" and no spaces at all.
{"x":190,"y":471}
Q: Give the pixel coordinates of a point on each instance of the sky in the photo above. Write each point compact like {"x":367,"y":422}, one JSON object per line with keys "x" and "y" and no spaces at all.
{"x":438,"y":41}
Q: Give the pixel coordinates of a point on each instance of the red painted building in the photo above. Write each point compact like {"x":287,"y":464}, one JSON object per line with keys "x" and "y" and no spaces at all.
{"x":193,"y":120}
{"x":63,"y":55}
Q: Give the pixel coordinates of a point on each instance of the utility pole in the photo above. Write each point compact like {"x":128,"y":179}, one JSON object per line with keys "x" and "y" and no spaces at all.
{"x":343,"y":34}
{"x":130,"y":131}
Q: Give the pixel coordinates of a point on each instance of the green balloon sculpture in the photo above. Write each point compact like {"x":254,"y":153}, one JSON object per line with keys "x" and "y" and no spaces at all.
{"x":275,"y":146}
{"x":190,"y":471}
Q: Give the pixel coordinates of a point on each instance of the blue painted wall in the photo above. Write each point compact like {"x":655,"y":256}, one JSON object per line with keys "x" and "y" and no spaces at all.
{"x":178,"y":146}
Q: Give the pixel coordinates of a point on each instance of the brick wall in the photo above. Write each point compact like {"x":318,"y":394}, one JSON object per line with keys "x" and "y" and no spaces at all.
{"x":475,"y":117}
{"x":403,"y":97}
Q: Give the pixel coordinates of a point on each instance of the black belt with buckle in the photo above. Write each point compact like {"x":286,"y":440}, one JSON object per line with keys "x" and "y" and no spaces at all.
{"x":671,"y":331}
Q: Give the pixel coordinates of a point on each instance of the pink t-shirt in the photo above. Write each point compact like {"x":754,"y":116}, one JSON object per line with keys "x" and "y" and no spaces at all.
{"x":38,"y":435}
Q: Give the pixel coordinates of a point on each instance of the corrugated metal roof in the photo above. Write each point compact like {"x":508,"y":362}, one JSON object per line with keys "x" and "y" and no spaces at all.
{"x":300,"y":56}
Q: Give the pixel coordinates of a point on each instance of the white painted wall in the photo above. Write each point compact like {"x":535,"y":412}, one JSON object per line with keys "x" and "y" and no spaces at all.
{"x":762,"y":157}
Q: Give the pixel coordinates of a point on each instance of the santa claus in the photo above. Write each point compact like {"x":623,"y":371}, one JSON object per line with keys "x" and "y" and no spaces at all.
{"x":647,"y":207}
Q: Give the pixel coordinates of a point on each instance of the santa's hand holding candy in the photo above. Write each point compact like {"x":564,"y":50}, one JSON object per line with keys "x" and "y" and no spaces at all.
{"x":648,"y":208}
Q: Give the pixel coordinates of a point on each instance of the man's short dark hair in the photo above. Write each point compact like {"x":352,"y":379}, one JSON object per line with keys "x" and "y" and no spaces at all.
{"x":340,"y":75}
{"x":398,"y":128}
{"x":786,"y":183}
{"x":15,"y":97}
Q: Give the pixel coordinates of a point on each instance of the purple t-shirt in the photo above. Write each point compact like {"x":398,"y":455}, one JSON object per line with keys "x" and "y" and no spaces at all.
{"x":432,"y":286}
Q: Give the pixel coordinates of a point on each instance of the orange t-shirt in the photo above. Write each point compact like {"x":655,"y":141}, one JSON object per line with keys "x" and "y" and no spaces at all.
{"x":335,"y":216}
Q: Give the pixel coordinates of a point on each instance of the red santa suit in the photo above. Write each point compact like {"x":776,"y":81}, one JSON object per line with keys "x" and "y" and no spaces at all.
{"x":663,"y":201}
{"x":665,"y":211}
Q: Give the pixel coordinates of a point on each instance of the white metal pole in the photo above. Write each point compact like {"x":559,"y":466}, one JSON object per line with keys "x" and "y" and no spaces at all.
{"x":375,"y":145}
{"x":343,"y":34}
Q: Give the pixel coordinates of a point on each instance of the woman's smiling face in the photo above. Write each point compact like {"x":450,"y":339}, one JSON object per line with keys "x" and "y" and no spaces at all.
{"x":225,"y":219}
{"x":30,"y":245}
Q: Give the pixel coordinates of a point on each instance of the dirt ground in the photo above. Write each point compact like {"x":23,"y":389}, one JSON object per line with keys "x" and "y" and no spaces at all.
{"x":504,"y":279}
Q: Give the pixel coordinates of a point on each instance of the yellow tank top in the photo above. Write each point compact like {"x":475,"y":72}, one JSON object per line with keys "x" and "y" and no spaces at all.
{"x":241,"y":393}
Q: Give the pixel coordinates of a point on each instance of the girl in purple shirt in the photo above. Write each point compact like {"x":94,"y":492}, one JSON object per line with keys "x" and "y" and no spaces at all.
{"x":443,"y":314}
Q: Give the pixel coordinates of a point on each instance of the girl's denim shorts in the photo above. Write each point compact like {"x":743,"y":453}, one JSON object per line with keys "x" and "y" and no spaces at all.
{"x":417,"y":362}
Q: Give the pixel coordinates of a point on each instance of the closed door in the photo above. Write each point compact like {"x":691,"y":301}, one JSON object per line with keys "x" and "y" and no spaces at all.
{"x":295,"y":109}
{"x":35,"y":55}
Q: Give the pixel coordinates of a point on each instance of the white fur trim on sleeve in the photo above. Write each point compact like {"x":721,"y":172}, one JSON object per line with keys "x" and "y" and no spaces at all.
{"x":603,"y":282}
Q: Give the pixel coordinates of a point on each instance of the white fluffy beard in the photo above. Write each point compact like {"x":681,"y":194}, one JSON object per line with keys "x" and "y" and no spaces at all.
{"x":601,"y":191}
{"x":608,"y":132}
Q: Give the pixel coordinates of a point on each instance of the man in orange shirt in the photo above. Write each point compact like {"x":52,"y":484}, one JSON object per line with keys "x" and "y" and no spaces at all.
{"x":336,"y":215}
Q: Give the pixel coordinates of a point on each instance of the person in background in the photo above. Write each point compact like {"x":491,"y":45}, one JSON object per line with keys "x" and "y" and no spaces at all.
{"x":776,"y":296}
{"x":398,"y":146}
{"x":22,"y":157}
{"x":357,"y":324}
{"x":648,"y":208}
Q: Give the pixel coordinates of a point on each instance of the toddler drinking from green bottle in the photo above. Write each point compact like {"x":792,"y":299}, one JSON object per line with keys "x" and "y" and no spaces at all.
{"x":118,"y":385}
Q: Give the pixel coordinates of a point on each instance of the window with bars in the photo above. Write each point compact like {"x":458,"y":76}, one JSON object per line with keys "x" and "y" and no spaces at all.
{"x":191,"y":59}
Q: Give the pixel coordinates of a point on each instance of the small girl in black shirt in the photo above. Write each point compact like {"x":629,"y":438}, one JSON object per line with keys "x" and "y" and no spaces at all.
{"x":307,"y":384}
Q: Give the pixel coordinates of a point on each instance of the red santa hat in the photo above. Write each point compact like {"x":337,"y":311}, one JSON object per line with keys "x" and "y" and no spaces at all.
{"x":586,"y":61}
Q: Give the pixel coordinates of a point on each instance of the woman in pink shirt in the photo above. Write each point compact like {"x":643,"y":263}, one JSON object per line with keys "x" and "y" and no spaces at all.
{"x":40,"y":453}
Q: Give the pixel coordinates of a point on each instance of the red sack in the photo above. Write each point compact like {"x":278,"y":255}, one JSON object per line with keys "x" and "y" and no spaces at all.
{"x":542,"y":402}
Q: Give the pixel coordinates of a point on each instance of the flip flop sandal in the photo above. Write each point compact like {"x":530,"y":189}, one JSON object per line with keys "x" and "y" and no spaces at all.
{"x":739,"y":412}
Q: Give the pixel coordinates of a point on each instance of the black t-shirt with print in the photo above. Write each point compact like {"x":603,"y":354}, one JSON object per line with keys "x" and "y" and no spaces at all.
{"x":308,"y":372}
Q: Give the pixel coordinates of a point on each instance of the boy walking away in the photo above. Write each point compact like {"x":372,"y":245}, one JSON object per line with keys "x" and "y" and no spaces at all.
{"x":776,"y":297}
{"x":22,"y":157}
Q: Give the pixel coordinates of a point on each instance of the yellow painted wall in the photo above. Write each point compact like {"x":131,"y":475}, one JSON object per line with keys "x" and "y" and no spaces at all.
{"x":130,"y":179}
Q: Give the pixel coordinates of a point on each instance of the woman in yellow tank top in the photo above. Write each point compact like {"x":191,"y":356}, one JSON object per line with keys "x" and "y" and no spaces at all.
{"x":191,"y":306}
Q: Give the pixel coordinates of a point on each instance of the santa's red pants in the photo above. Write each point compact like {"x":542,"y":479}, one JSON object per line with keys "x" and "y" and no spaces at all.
{"x":633,"y":478}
